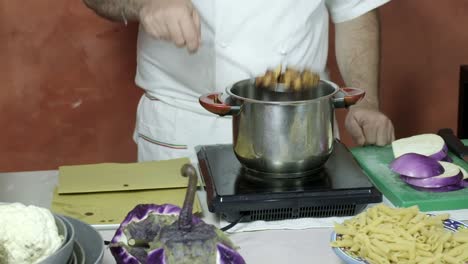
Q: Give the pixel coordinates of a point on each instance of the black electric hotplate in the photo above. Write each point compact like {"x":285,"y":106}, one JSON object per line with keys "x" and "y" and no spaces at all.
{"x":339,"y":188}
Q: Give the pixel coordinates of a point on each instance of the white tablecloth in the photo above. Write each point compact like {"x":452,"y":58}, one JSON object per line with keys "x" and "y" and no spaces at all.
{"x":271,"y":246}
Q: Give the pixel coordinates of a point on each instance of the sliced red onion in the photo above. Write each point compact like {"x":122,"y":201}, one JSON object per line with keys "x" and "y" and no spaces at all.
{"x":464,"y":173}
{"x":447,"y":159}
{"x":451,"y":176}
{"x":445,"y":148}
{"x":416,"y":166}
{"x":441,"y":155}
{"x":464,"y":182}
{"x":431,"y":145}
{"x":448,"y":188}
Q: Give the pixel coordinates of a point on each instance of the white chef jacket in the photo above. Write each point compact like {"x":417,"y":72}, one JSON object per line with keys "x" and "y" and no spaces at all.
{"x":240,"y":39}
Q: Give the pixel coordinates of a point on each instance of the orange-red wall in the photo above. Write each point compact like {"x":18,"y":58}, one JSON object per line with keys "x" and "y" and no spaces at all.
{"x":68,"y":96}
{"x":423,"y":45}
{"x":67,"y":92}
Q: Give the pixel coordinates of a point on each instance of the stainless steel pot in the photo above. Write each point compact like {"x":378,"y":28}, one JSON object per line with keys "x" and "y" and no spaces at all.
{"x":277,"y":131}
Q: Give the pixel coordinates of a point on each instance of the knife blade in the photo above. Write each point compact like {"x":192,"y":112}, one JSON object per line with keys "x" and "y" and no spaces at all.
{"x":454,"y":143}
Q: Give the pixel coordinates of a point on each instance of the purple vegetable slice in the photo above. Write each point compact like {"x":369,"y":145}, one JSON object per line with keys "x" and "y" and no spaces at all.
{"x":153,"y":234}
{"x":451,"y":176}
{"x":431,"y":145}
{"x":156,"y":256}
{"x":416,"y":166}
{"x":228,"y":255}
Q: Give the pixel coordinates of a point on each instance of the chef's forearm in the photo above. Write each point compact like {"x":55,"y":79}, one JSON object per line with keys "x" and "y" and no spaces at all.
{"x":116,"y":10}
{"x":358,"y":54}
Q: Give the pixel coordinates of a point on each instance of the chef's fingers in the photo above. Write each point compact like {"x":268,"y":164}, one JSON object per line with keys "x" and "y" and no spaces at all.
{"x":370,"y":133}
{"x":389,"y":133}
{"x":383,"y":127}
{"x":393,"y":134}
{"x":197,"y":23}
{"x":382,"y":137}
{"x":162,"y":31}
{"x":154,"y":28}
{"x":176,"y":33}
{"x":189,"y":32}
{"x":355,"y":130}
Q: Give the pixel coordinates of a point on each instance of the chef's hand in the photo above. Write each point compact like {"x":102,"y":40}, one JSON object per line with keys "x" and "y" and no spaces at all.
{"x":368,"y":126}
{"x":176,"y":21}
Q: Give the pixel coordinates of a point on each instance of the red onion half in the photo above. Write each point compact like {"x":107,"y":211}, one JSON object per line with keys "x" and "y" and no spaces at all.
{"x":451,"y":176}
{"x":416,"y":166}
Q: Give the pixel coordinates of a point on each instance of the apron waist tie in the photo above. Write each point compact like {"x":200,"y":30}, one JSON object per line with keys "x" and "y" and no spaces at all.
{"x":152,"y":98}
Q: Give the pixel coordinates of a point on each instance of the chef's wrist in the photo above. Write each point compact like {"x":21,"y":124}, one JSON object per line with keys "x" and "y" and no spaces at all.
{"x":367,"y":103}
{"x":132,"y":10}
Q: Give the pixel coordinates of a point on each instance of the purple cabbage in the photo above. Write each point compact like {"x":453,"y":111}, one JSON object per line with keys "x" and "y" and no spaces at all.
{"x":156,"y":256}
{"x":160,"y":234}
{"x":143,"y":223}
{"x":229,"y":255}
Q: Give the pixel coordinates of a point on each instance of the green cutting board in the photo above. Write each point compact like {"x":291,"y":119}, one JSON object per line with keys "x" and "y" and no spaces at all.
{"x":375,"y":162}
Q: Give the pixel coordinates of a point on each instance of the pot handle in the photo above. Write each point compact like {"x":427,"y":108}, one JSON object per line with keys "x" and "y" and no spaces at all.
{"x":348,"y":96}
{"x":213,"y":103}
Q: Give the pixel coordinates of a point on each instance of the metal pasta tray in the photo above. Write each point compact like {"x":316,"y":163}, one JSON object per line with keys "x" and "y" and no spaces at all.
{"x":340,"y":188}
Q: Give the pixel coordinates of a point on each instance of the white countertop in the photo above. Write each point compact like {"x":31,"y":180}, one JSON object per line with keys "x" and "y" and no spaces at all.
{"x":271,"y":246}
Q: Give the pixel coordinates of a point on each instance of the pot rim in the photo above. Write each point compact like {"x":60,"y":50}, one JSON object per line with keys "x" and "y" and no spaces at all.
{"x":250,"y":100}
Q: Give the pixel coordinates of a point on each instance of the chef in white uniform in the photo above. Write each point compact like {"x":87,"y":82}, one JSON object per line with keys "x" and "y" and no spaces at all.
{"x":189,"y":48}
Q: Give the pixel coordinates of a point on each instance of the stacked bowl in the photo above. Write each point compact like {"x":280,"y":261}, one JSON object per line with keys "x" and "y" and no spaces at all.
{"x":81,"y":245}
{"x":65,"y":253}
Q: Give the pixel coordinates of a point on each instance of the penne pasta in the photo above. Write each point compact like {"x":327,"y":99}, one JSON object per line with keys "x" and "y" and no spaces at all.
{"x":402,"y":235}
{"x":460,"y":237}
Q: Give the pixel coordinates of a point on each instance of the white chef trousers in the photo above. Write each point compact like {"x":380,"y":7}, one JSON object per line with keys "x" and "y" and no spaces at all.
{"x":166,"y":131}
